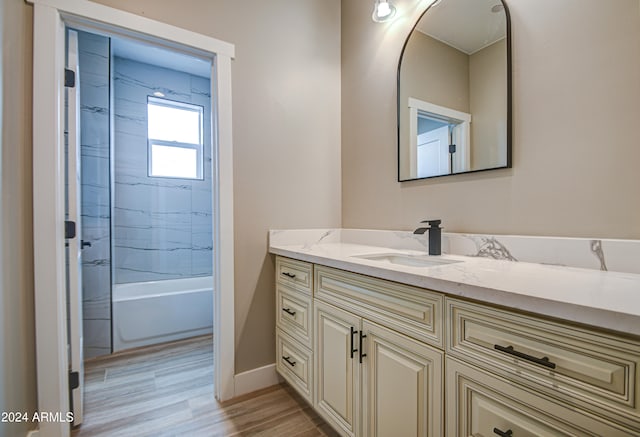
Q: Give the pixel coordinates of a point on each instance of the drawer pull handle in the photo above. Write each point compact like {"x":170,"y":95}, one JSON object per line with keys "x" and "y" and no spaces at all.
{"x":288,"y":360}
{"x":507,"y":433}
{"x":289,"y":275}
{"x":544,"y":361}
{"x":353,"y":332}
{"x":288,"y":311}
{"x":362,"y":355}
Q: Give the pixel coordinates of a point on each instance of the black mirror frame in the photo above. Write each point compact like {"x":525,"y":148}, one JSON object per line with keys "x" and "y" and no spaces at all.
{"x":509,"y":101}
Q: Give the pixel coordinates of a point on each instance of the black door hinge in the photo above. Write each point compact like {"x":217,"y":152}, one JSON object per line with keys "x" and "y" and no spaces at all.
{"x":69,"y":229}
{"x":69,"y":78}
{"x":452,"y":148}
{"x":74,"y":380}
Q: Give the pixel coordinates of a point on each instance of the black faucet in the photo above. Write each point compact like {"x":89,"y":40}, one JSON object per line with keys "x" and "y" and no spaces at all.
{"x":435,"y":235}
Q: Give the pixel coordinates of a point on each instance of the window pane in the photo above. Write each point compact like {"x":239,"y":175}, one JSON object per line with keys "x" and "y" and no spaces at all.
{"x":177,"y":162}
{"x":174,"y":124}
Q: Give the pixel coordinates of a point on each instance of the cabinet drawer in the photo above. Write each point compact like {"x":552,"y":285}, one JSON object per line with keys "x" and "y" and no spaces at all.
{"x":482,"y":405}
{"x":294,"y":363}
{"x":413,"y":311}
{"x":293,"y":313}
{"x":587,"y":368}
{"x":294,"y":273}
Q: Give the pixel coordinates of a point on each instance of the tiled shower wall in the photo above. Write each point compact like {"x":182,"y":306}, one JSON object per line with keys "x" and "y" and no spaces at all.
{"x":161,"y":226}
{"x":94,"y":55}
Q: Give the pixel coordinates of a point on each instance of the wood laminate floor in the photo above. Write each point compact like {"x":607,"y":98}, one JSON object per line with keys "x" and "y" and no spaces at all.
{"x":167,"y":390}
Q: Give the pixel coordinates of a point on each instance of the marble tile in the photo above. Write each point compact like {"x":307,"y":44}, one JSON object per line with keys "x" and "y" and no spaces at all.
{"x":200,"y":90}
{"x":202,"y":261}
{"x":305,"y":237}
{"x":95,"y":148}
{"x":139,"y":265}
{"x":130,"y":154}
{"x":136,"y":80}
{"x":95,"y":173}
{"x":100,"y":240}
{"x":594,"y":254}
{"x":94,"y":51}
{"x":95,"y":125}
{"x":97,"y":333}
{"x":95,"y":192}
{"x":132,"y":120}
{"x":97,"y":309}
{"x":162,"y":226}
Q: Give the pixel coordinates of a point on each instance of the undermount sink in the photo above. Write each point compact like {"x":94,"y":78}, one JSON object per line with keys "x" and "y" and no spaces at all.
{"x":407,"y":260}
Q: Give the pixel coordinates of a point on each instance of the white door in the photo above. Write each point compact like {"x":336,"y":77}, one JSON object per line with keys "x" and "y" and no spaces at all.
{"x":337,"y":367}
{"x":74,"y":258}
{"x":433,"y":152}
{"x":402,"y":385}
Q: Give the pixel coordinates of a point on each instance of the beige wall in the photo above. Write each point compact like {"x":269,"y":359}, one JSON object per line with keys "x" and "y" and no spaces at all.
{"x":576,"y":109}
{"x":433,"y":72}
{"x":286,"y":132}
{"x":17,"y":347}
{"x":286,"y":128}
{"x":488,"y":104}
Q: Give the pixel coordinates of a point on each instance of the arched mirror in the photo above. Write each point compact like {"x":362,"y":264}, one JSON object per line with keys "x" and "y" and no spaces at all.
{"x":454,"y":91}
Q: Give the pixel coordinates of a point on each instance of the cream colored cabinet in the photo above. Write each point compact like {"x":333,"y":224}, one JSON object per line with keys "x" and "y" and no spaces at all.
{"x":294,"y":356}
{"x":378,"y":358}
{"x":591,"y":370}
{"x":481,"y":404}
{"x":372,"y":381}
{"x":401,"y":385}
{"x":337,"y":368}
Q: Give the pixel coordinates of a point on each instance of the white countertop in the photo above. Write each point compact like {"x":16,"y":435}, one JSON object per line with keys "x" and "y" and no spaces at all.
{"x":609,"y":300}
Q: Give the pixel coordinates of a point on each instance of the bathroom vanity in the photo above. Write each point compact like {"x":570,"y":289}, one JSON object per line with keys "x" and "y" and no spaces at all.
{"x":384,"y":340}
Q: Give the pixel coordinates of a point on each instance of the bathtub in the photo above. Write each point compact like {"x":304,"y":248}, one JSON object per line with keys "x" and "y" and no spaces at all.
{"x":147,"y":313}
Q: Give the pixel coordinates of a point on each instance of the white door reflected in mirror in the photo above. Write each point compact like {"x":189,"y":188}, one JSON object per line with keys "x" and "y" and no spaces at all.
{"x":455,"y":65}
{"x":439,"y":140}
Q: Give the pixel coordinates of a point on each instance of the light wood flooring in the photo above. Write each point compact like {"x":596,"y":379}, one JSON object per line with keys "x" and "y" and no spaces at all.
{"x":167,"y":390}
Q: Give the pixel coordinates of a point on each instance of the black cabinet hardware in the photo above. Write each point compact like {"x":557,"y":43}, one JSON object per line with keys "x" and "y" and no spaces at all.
{"x":288,"y":311}
{"x":288,"y":360}
{"x":544,"y":361}
{"x":84,"y":244}
{"x":353,"y":332}
{"x":289,"y":275}
{"x":507,"y":433}
{"x":362,"y":355}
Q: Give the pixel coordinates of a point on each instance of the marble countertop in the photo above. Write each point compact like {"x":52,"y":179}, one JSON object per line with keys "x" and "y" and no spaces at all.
{"x":609,"y":300}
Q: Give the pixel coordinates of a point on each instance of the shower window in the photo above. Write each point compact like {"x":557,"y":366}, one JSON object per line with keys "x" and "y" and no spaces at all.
{"x":175,"y":139}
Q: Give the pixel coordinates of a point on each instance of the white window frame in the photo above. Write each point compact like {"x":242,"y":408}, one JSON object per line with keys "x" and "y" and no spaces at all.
{"x":198,"y":147}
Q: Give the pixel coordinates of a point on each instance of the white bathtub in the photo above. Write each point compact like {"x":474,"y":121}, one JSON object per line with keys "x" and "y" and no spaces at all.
{"x":146,"y":313}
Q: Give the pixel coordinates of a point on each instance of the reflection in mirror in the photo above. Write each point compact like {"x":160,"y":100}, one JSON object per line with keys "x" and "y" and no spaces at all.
{"x":454,"y":110}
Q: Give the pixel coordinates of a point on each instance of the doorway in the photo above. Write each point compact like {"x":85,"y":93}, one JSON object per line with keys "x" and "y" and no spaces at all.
{"x":146,"y":193}
{"x":50,"y":22}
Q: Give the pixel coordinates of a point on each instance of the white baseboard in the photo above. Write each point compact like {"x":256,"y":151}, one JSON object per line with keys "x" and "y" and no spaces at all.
{"x":256,"y":379}
{"x":33,"y":433}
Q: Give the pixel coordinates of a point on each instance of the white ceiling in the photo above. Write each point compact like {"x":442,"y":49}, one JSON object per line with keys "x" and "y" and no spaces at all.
{"x":147,"y":54}
{"x":467,"y":25}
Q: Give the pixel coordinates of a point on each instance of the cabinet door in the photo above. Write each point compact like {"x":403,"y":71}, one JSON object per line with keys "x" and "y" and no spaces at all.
{"x":481,"y":404}
{"x":336,"y":395}
{"x":402,"y":385}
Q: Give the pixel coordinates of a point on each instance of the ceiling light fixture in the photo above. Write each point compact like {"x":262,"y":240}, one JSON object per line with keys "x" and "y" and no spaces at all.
{"x":383,"y":11}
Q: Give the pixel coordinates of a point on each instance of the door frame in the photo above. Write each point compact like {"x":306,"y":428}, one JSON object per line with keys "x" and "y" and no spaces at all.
{"x":463,"y":158}
{"x":50,"y":20}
